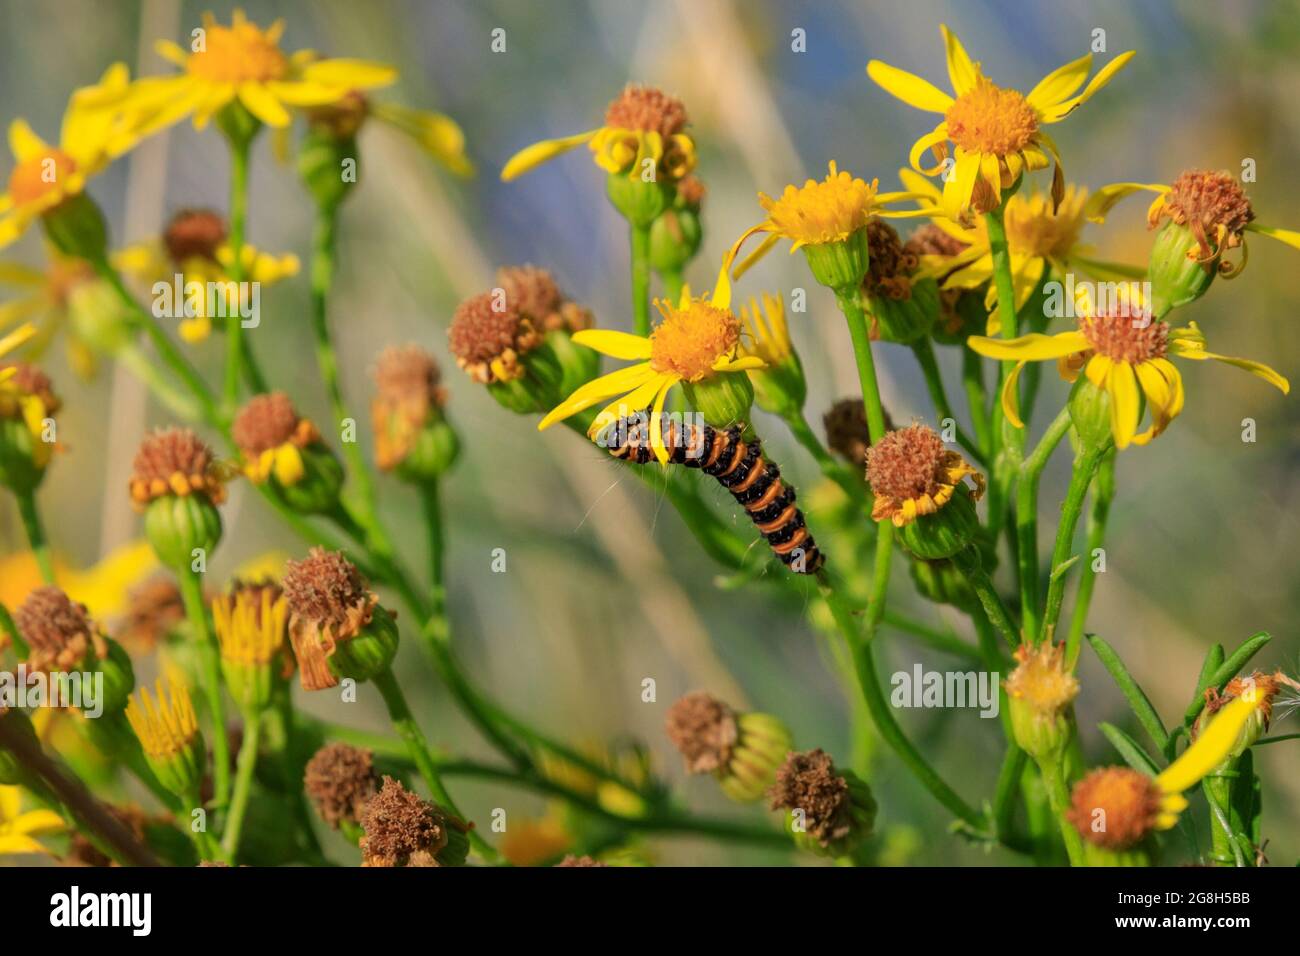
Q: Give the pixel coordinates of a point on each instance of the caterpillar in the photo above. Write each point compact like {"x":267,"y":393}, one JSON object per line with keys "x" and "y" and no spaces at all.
{"x":739,"y":466}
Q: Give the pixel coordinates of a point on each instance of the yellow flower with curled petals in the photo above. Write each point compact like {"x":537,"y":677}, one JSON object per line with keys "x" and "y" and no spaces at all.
{"x":243,"y":63}
{"x":1041,"y":235}
{"x":697,"y":339}
{"x":642,"y":124}
{"x":1213,"y":206}
{"x":46,"y":176}
{"x":1124,"y":352}
{"x":996,"y":133}
{"x":819,"y":213}
{"x":18,"y":830}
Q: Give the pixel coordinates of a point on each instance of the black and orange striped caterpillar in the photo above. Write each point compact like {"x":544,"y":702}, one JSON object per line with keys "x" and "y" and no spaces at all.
{"x":740,"y":467}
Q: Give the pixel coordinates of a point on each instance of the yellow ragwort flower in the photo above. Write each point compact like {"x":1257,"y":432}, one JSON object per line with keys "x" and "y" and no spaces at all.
{"x":697,"y":339}
{"x":167,"y":729}
{"x":819,"y":214}
{"x":46,"y":299}
{"x":1041,"y":235}
{"x":251,"y":623}
{"x":769,"y":336}
{"x":997,"y":133}
{"x":1123,"y":351}
{"x":243,"y":63}
{"x":642,"y":123}
{"x":1212,"y":205}
{"x":18,"y":830}
{"x":46,"y":176}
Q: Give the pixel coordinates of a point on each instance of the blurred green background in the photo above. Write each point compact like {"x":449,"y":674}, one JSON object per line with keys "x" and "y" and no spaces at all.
{"x":604,"y":586}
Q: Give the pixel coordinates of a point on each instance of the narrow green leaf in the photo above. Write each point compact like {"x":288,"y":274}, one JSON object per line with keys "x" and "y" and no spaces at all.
{"x":1213,"y":661}
{"x":1146,"y":714}
{"x":1129,"y":749}
{"x":1064,"y":566}
{"x":1239,"y":658}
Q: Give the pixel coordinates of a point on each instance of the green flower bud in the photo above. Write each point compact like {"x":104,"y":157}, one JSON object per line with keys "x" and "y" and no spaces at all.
{"x":742,"y":750}
{"x":905,"y":320}
{"x":99,"y":317}
{"x":21,"y":466}
{"x":251,"y":624}
{"x":779,"y":387}
{"x":119,"y":677}
{"x":1040,"y":697}
{"x":77,"y":229}
{"x":1176,"y":275}
{"x":1090,"y":415}
{"x":840,"y":265}
{"x":328,"y":167}
{"x":902,"y":309}
{"x":675,"y":239}
{"x":944,"y":533}
{"x":169,"y":735}
{"x":723,"y":399}
{"x":639,"y":201}
{"x":175,"y":483}
{"x":179,"y":528}
{"x":370,"y":651}
{"x":432,"y":455}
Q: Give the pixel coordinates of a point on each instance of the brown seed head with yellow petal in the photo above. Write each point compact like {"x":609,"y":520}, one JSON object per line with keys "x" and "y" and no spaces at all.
{"x":807,"y":781}
{"x":1212,"y":205}
{"x":488,"y":335}
{"x":269,"y":421}
{"x":534,"y":292}
{"x":174,"y":461}
{"x":1125,"y":335}
{"x":1114,"y":807}
{"x":194,"y":234}
{"x":58,"y":631}
{"x":329,"y":602}
{"x":647,"y":109}
{"x":912,"y":474}
{"x":27,"y":380}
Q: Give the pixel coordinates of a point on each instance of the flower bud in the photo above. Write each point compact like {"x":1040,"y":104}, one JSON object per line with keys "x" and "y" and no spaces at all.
{"x":840,"y":265}
{"x":251,"y":623}
{"x":175,"y":483}
{"x":742,"y":751}
{"x":639,"y":200}
{"x":723,"y":400}
{"x":340,"y":780}
{"x":779,"y":386}
{"x":1040,"y":695}
{"x":321,"y":165}
{"x":1090,"y":415}
{"x":676,"y":235}
{"x":284,"y":450}
{"x":336,"y":626}
{"x":1115,"y":809}
{"x":27,"y":399}
{"x":830,"y":812}
{"x":1261,"y":689}
{"x":99,"y":317}
{"x":169,"y":735}
{"x":76,"y":228}
{"x":412,"y":438}
{"x":901,"y":308}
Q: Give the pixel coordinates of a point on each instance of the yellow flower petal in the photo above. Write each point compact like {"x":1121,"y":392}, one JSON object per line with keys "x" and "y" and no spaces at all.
{"x":619,"y":345}
{"x":533,"y":156}
{"x":11,"y":802}
{"x":23,"y":141}
{"x":909,"y":88}
{"x":657,"y":422}
{"x":1190,"y":344}
{"x":1125,"y":403}
{"x":348,"y":74}
{"x":961,"y":71}
{"x":16,"y":844}
{"x":437,"y":135}
{"x":38,"y":823}
{"x":1289,"y":236}
{"x":262,"y":104}
{"x":1011,"y":396}
{"x":1060,"y":83}
{"x":960,"y":183}
{"x":1104,"y":199}
{"x":16,"y":338}
{"x":933,"y":138}
{"x":637,"y":400}
{"x":1212,"y":746}
{"x":1034,"y":347}
{"x":597,"y":390}
{"x":1059,"y":111}
{"x":289,"y":467}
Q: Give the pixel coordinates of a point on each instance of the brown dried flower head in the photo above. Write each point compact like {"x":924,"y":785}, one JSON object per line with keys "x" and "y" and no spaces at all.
{"x":912,"y":474}
{"x":174,"y":461}
{"x":533,"y":291}
{"x":691,"y":190}
{"x":407,"y":394}
{"x":647,"y":109}
{"x":1210,"y":204}
{"x":704,"y":731}
{"x":891,"y":264}
{"x":30,"y":381}
{"x":194,"y":234}
{"x":488,"y":335}
{"x":807,"y":781}
{"x":269,"y":421}
{"x":1114,"y":807}
{"x":58,"y":630}
{"x":398,"y":826}
{"x":847,"y":432}
{"x":1041,"y":678}
{"x":329,"y":602}
{"x":339,"y":780}
{"x":570,"y":860}
{"x":930,"y":240}
{"x":154,"y":608}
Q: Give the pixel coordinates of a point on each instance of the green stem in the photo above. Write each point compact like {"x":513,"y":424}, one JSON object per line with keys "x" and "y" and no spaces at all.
{"x":322,"y":278}
{"x":1223,"y":846}
{"x":247,"y":763}
{"x":1027,"y":517}
{"x":1009,"y":439}
{"x":36,"y":534}
{"x":178,"y":403}
{"x":210,"y":670}
{"x":857,"y":322}
{"x":969,"y":562}
{"x":1058,"y":796}
{"x":641,"y":280}
{"x":972,"y":377}
{"x":239,"y":148}
{"x":673,"y":284}
{"x":925,"y":357}
{"x":883,"y":718}
{"x":853,"y":485}
{"x":418,"y":747}
{"x":1103,"y":493}
{"x":1085,"y":467}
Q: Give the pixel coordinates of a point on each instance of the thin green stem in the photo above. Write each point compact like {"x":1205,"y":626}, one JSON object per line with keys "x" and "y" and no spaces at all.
{"x":35,"y":529}
{"x":925,"y":357}
{"x":883,"y":718}
{"x":1008,"y":439}
{"x":246,"y":764}
{"x":1058,"y":797}
{"x":239,"y":148}
{"x":1085,"y":467}
{"x":143,"y":368}
{"x":322,"y":278}
{"x":1224,"y":848}
{"x":853,"y":485}
{"x":969,"y":562}
{"x":857,"y":322}
{"x":641,"y":280}
{"x":210,"y":671}
{"x":1027,"y":517}
{"x":972,"y":378}
{"x":1103,"y":493}
{"x":673,"y":284}
{"x":418,"y":747}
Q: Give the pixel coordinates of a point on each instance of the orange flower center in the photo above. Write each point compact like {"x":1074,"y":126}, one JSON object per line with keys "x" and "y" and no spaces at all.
{"x":1126,"y":335}
{"x":32,"y":179}
{"x":689,"y":341}
{"x":238,"y":54}
{"x":989,"y":119}
{"x":821,"y":212}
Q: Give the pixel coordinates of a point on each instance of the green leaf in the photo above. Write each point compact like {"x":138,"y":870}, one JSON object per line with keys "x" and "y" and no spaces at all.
{"x":1146,"y":714}
{"x":1213,"y":661}
{"x":1064,"y":566}
{"x":1227,"y":670}
{"x":1129,"y":749}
